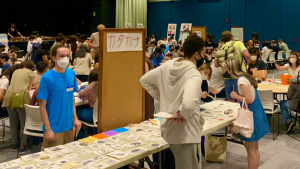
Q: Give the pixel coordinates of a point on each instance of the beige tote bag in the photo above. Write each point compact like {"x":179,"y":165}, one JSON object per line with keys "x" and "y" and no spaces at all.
{"x":215,"y":148}
{"x":244,"y":122}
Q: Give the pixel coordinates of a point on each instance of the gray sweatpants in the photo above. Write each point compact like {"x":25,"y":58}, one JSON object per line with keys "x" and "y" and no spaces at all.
{"x":187,"y":156}
{"x":17,"y":116}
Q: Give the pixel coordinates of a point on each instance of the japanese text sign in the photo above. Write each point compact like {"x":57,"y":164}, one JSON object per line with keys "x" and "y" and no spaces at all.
{"x":124,"y":42}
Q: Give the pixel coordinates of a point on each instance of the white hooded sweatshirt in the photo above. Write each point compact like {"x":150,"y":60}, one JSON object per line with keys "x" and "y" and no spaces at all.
{"x":177,"y":86}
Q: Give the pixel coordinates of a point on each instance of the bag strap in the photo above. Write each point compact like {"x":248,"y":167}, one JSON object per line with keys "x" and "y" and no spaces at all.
{"x":232,"y":43}
{"x":244,"y":103}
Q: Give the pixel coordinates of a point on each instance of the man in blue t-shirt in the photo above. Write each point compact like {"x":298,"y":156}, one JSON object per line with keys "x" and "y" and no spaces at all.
{"x":4,"y":58}
{"x":57,"y":103}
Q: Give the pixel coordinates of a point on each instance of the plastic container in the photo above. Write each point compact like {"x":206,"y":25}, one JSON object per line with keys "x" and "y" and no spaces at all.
{"x":285,"y":79}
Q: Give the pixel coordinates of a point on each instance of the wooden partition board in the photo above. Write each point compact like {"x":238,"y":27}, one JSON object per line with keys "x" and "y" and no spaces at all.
{"x":202,"y":29}
{"x":121,"y":96}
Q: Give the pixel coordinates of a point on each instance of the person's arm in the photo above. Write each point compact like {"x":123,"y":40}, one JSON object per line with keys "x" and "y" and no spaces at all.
{"x":247,"y":56}
{"x":148,"y":81}
{"x":49,"y":134}
{"x":246,"y":92}
{"x":161,"y":59}
{"x":251,"y":44}
{"x":90,"y":60}
{"x":146,"y":67}
{"x":78,"y":81}
{"x":204,"y":95}
{"x":30,"y":86}
{"x":33,"y":98}
{"x":20,"y":34}
{"x":96,"y":66}
{"x":264,"y":68}
{"x":191,"y":93}
{"x":76,"y":122}
{"x":9,"y":35}
{"x":2,"y":94}
{"x":281,"y":67}
{"x":91,"y":41}
{"x":45,"y":59}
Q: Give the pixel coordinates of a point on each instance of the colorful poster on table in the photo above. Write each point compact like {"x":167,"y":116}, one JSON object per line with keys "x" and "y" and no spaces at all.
{"x":4,"y":41}
{"x":171,"y":30}
{"x":117,"y":42}
{"x":183,"y":27}
{"x":238,"y":34}
{"x":127,"y":25}
{"x":140,"y":25}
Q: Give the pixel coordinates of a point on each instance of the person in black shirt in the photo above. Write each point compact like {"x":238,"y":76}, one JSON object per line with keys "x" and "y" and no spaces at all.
{"x":256,"y":64}
{"x":210,"y":45}
{"x":254,"y":43}
{"x":13,"y":31}
{"x":42,"y":53}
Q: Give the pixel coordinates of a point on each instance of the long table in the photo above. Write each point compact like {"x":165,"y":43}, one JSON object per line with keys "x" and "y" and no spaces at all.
{"x":213,"y":114}
{"x":277,"y":88}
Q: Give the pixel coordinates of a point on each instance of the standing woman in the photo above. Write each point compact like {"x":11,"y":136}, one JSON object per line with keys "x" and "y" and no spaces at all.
{"x":73,"y":47}
{"x":247,"y":88}
{"x":82,"y":64}
{"x":21,"y":82}
{"x":42,"y":53}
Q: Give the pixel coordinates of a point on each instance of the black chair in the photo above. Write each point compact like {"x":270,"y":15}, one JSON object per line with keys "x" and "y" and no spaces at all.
{"x":296,"y":115}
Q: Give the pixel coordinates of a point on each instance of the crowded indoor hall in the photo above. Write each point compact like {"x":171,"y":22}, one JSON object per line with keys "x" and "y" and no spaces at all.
{"x":150,"y":84}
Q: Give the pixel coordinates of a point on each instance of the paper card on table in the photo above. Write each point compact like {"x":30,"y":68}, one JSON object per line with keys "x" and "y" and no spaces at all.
{"x":67,"y":150}
{"x":94,"y":146}
{"x":32,"y":156}
{"x":71,"y":155}
{"x":103,"y":150}
{"x":117,"y":146}
{"x":76,"y":159}
{"x":98,"y":158}
{"x":102,"y":141}
{"x":13,"y":167}
{"x":110,"y":133}
{"x":69,"y":165}
{"x":89,"y":162}
{"x":150,"y":139}
{"x":157,"y":134}
{"x":113,"y":139}
{"x":155,"y":145}
{"x":146,"y":127}
{"x":74,"y":143}
{"x":101,"y":165}
{"x":52,"y":167}
{"x":124,"y":135}
{"x":118,"y":154}
{"x":77,"y":147}
{"x":3,"y":165}
{"x":137,"y":151}
{"x":111,"y":161}
{"x":84,"y":151}
{"x":56,"y":148}
{"x":135,"y":143}
{"x":62,"y":161}
{"x":15,"y":162}
{"x":44,"y":164}
{"x":28,"y":167}
{"x":45,"y":158}
{"x":133,"y":137}
{"x":87,"y":167}
{"x":133,"y":128}
{"x":58,"y":154}
{"x":121,"y":130}
{"x":143,"y":134}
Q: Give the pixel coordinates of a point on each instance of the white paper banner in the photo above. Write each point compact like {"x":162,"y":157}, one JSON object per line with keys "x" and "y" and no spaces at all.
{"x":117,"y":42}
{"x":171,"y":30}
{"x":140,"y":25}
{"x":238,"y":34}
{"x":127,"y":25}
{"x":4,"y":41}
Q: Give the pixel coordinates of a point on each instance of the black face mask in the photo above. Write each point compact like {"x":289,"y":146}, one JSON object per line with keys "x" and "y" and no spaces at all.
{"x":199,"y":62}
{"x":210,"y":40}
{"x":171,"y":50}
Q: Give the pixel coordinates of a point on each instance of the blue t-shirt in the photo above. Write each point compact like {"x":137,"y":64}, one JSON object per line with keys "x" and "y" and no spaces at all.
{"x":5,"y":66}
{"x":158,"y":60}
{"x":56,"y":89}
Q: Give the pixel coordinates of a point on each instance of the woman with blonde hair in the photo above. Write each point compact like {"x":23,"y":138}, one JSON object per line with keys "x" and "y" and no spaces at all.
{"x":247,"y":90}
{"x":94,"y":41}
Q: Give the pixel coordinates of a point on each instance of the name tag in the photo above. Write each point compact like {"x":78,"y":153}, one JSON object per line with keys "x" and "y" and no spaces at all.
{"x":70,"y":89}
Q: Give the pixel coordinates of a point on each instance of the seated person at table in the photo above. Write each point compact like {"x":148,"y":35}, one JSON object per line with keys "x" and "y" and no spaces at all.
{"x":4,"y":58}
{"x":292,"y":103}
{"x":12,"y":55}
{"x":293,"y":65}
{"x":82,"y":63}
{"x":85,"y":112}
{"x":256,"y":64}
{"x":157,"y":57}
{"x":265,"y":49}
{"x":57,"y":102}
{"x":169,"y":53}
{"x":41,"y":68}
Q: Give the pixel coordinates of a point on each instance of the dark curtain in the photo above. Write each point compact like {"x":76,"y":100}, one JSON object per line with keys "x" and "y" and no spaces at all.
{"x":51,"y":17}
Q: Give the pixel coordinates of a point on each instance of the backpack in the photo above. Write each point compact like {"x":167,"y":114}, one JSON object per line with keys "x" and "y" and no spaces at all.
{"x":225,"y":53}
{"x":35,"y":47}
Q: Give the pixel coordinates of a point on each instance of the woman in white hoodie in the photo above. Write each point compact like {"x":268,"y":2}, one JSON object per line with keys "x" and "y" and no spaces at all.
{"x":175,"y":85}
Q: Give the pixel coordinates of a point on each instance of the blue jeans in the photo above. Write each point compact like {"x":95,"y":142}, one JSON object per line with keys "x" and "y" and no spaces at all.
{"x":230,"y":85}
{"x":82,"y":78}
{"x":284,"y":55}
{"x":85,"y":113}
{"x":284,"y":105}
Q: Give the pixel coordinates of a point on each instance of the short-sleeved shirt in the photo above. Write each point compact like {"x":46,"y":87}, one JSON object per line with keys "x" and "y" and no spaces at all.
{"x":13,"y":33}
{"x":210,"y":47}
{"x":284,"y":47}
{"x":259,"y":65}
{"x":58,"y":89}
{"x":158,"y":60}
{"x":82,"y":65}
{"x":20,"y":82}
{"x":95,"y":39}
{"x":243,"y":80}
{"x":4,"y":83}
{"x":39,"y":55}
{"x":239,"y":47}
{"x":291,"y":71}
{"x":5,"y":66}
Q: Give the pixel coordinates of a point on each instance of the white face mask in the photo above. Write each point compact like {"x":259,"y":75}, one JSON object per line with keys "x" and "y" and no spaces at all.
{"x":203,"y":77}
{"x":293,"y":60}
{"x":253,"y":58}
{"x":63,"y":62}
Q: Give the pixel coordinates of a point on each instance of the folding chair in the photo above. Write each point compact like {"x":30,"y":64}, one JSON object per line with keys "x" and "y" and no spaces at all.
{"x":296,"y":115}
{"x":267,"y":100}
{"x":95,"y":118}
